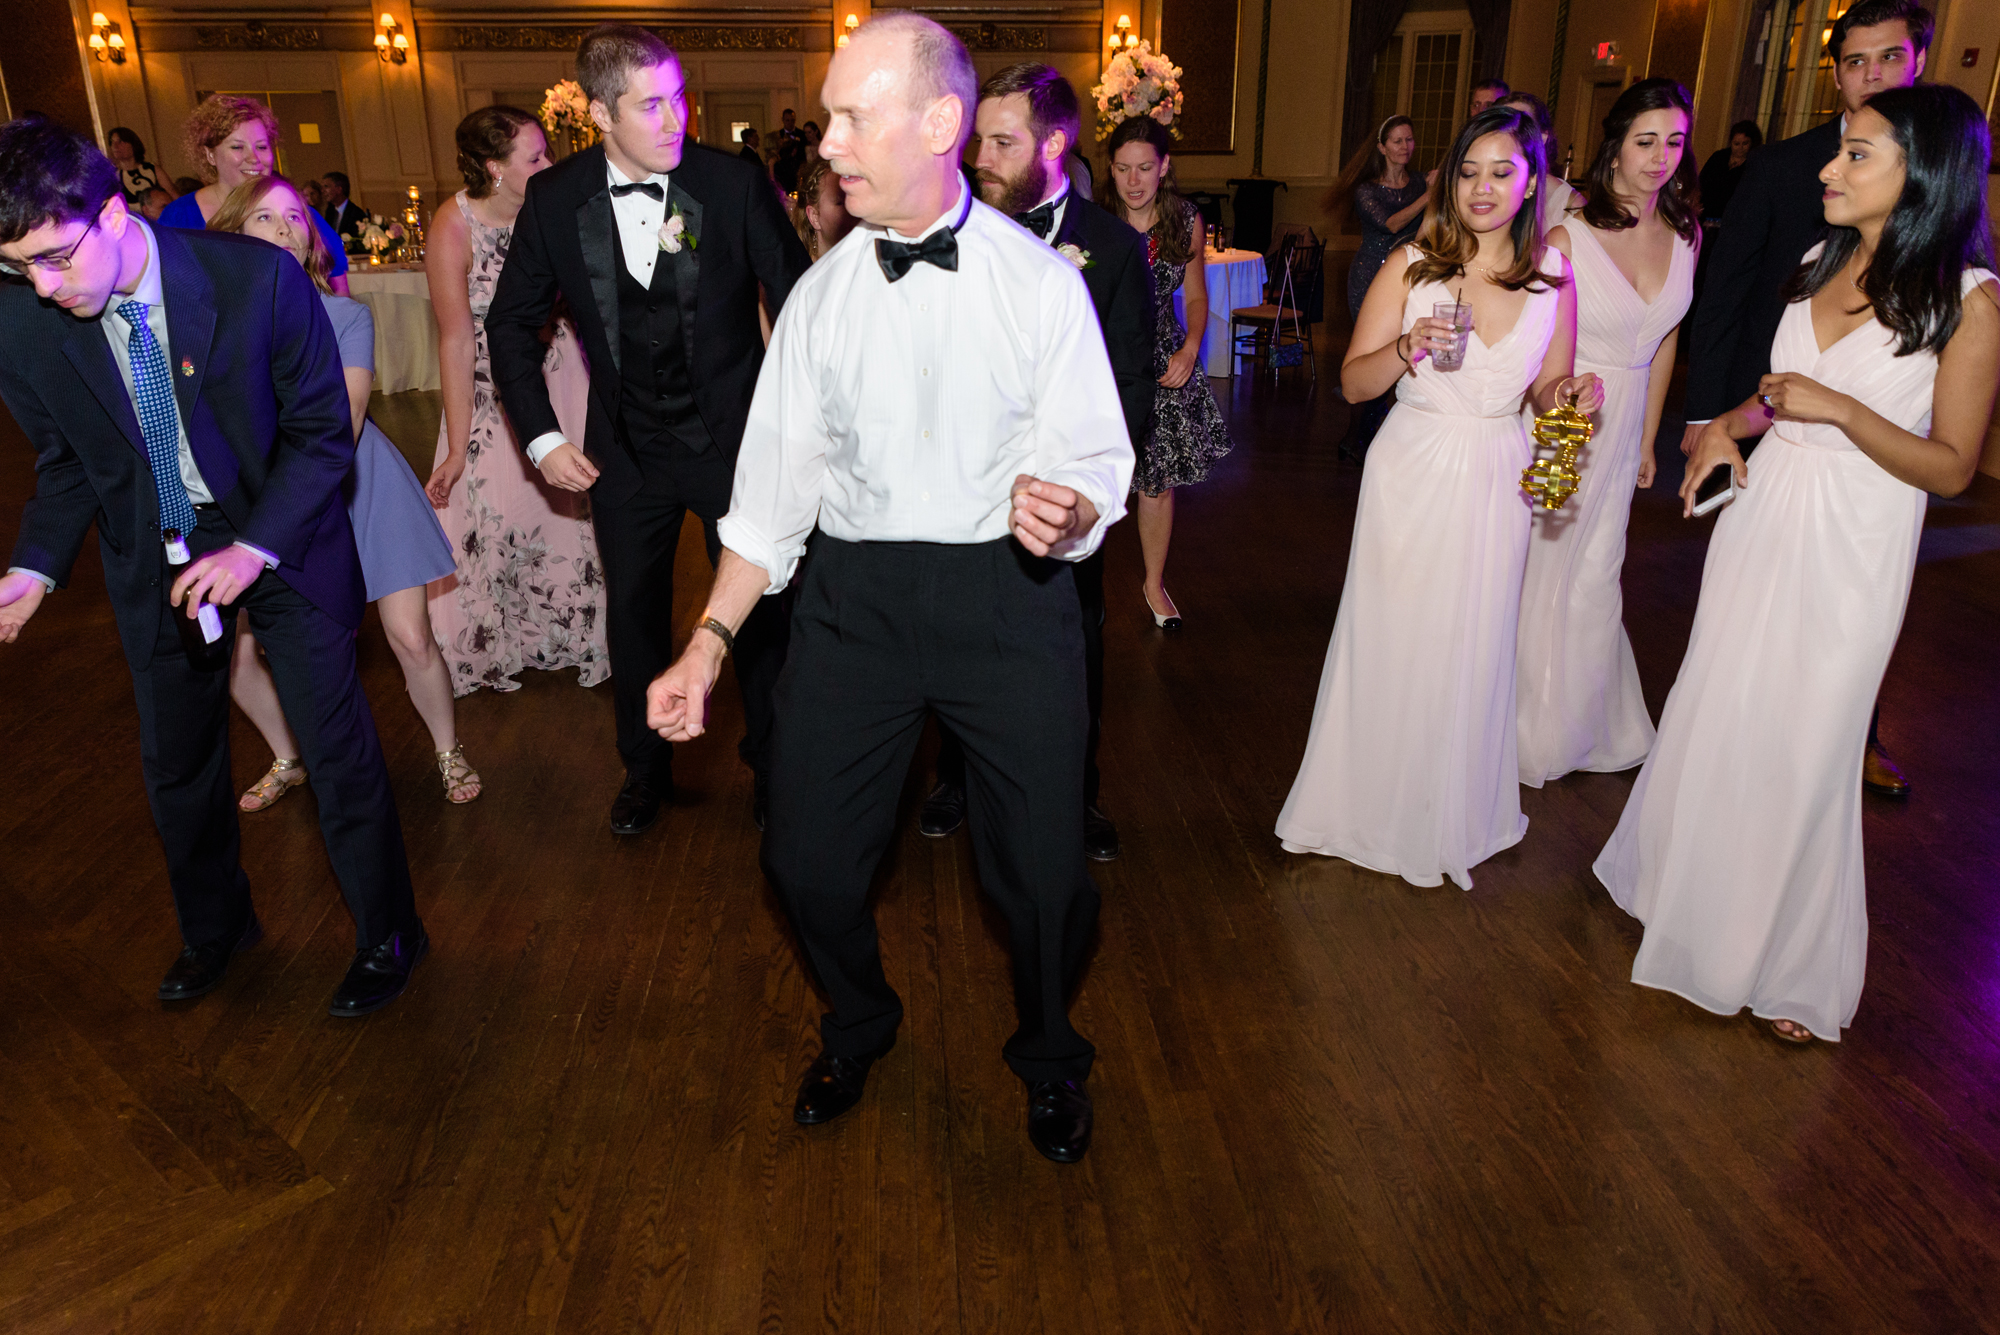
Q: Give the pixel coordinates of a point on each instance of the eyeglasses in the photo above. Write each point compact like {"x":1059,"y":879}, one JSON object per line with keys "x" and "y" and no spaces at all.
{"x":49,"y":263}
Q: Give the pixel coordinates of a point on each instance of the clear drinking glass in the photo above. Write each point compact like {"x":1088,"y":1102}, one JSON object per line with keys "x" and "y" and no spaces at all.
{"x":1459,"y":315}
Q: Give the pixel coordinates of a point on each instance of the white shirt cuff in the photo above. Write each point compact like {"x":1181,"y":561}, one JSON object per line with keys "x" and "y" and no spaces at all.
{"x":739,"y":537}
{"x":1109,"y":512}
{"x":47,"y":583}
{"x":1697,"y":421}
{"x":270,"y":562}
{"x":541,"y":446}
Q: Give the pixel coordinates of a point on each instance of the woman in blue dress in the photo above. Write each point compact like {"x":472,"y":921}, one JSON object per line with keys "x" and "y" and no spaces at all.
{"x":396,"y":532}
{"x":1388,"y":201}
{"x":231,"y":140}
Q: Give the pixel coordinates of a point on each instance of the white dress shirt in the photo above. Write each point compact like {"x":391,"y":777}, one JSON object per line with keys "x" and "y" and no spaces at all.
{"x":639,"y":217}
{"x":902,"y":412}
{"x":119,"y":335}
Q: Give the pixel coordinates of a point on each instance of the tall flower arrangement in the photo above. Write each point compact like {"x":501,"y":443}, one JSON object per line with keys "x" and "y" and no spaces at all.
{"x":1138,"y":82}
{"x":566,"y":113}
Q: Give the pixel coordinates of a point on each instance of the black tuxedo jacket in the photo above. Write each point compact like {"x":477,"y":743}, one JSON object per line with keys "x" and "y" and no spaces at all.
{"x":1121,"y":288}
{"x":1773,"y":219}
{"x":345,"y":217}
{"x":258,"y":381}
{"x":566,"y":241}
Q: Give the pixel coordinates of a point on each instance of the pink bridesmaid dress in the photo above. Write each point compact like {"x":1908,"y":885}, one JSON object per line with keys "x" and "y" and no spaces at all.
{"x":1579,"y":700}
{"x":1740,"y":847}
{"x":1410,"y":766}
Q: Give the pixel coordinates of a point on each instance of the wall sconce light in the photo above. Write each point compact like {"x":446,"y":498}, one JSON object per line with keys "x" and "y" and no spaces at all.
{"x":1122,"y":39}
{"x":107,"y":44}
{"x":852,"y":22}
{"x":391,"y":45}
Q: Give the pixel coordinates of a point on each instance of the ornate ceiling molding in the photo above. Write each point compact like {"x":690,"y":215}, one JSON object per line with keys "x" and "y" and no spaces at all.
{"x":507,"y":37}
{"x":1000,"y":36}
{"x":257,"y":36}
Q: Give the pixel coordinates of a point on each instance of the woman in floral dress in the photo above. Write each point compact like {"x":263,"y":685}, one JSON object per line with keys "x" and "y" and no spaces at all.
{"x":1188,"y":434}
{"x":529,"y":590}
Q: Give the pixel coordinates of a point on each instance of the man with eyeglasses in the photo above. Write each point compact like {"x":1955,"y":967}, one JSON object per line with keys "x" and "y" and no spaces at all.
{"x":183,"y":390}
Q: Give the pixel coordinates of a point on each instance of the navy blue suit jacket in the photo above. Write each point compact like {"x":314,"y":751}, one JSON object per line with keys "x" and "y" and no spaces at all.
{"x":258,"y":381}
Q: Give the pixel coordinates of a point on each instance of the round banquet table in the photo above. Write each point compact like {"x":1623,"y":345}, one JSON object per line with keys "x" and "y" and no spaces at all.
{"x":406,"y":342}
{"x":1235,"y":280}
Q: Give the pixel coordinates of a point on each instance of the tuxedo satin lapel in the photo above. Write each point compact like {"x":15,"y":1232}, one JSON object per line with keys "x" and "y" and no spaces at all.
{"x":1070,"y":233}
{"x":597,"y":233}
{"x":687,"y":273}
{"x":91,"y":355}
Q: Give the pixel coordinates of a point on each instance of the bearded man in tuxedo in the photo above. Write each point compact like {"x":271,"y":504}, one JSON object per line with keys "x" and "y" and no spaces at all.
{"x":659,"y":246}
{"x":1026,"y":126}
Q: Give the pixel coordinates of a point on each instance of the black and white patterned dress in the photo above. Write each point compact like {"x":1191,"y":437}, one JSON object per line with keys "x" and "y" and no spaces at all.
{"x":1188,"y":433}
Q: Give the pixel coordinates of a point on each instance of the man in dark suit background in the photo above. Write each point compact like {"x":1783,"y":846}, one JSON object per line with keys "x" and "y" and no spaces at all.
{"x":1026,"y":125}
{"x":1773,"y":219}
{"x":342,"y":213}
{"x":210,"y":354}
{"x":660,"y":247}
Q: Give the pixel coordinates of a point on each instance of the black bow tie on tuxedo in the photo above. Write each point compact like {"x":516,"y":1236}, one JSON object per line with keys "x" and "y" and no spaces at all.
{"x":939,"y":248}
{"x":1041,"y":220}
{"x":648,"y":188}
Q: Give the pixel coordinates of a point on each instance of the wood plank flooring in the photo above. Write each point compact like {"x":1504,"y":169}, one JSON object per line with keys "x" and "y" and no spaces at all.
{"x":1327,"y":1100}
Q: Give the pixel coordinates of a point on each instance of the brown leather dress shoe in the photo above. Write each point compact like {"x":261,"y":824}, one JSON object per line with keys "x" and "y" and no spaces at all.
{"x":1879,"y":775}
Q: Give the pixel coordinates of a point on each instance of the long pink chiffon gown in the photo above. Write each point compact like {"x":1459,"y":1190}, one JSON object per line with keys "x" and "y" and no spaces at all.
{"x":1580,"y":706}
{"x":1740,"y":847}
{"x":1410,"y":765}
{"x":529,"y":590}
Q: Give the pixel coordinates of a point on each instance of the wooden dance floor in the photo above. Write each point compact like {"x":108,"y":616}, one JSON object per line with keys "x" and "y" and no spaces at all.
{"x":1326,"y":1100}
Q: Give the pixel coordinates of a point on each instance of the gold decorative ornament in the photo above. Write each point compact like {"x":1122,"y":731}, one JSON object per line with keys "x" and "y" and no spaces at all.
{"x":1551,"y":481}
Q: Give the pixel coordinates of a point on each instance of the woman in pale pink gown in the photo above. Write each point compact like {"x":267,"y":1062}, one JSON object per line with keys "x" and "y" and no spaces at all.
{"x":1740,"y":848}
{"x":1632,"y":248}
{"x":529,"y":590}
{"x":1410,"y":765}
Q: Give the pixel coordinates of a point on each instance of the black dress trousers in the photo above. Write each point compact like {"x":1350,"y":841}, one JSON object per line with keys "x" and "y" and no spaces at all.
{"x":989,"y":638}
{"x":184,"y":751}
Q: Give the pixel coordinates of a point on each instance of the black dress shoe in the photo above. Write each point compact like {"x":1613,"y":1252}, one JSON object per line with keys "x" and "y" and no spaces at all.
{"x":379,"y":975}
{"x":832,"y":1086}
{"x":1059,"y":1119}
{"x":943,"y":812}
{"x":200,"y":968}
{"x":1100,"y":836}
{"x":637,"y":807}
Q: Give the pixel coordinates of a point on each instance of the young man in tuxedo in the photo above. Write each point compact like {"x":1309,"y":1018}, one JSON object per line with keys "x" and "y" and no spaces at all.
{"x":659,"y":246}
{"x":342,"y":213}
{"x":1774,"y":217}
{"x":187,"y":386}
{"x":1027,"y":122}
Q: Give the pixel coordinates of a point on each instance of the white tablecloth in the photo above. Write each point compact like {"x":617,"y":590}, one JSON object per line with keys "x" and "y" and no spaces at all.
{"x":1235,"y":280}
{"x":406,"y":341}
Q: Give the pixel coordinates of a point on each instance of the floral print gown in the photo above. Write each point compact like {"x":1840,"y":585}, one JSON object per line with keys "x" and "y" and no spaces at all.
{"x":529,"y":590}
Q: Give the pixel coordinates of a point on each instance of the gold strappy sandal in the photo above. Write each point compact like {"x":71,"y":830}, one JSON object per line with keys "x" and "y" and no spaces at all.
{"x":283,"y":776}
{"x":458,"y":776}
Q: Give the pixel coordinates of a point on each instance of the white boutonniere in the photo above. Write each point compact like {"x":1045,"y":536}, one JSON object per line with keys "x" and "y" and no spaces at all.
{"x":674,"y":231}
{"x":1075,"y":254}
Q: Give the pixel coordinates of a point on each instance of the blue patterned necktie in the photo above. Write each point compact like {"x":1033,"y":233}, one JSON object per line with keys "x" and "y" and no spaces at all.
{"x":158,"y":420}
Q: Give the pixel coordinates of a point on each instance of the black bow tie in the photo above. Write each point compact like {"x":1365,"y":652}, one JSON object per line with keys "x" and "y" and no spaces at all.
{"x":1041,"y":220}
{"x":939,"y":248}
{"x":648,"y":188}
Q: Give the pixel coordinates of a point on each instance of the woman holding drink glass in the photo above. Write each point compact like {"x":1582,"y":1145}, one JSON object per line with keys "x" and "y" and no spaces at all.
{"x":1410,"y":765}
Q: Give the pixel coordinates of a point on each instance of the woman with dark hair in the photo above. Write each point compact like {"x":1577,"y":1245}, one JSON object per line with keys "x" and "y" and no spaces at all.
{"x":1724,"y":169}
{"x":529,"y":590}
{"x":136,"y":176}
{"x":1558,"y":195}
{"x":1410,"y":765}
{"x":398,"y":538}
{"x":1740,"y":848}
{"x":1188,"y":433}
{"x":1388,"y":199}
{"x":230,"y":140}
{"x":1632,"y":248}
